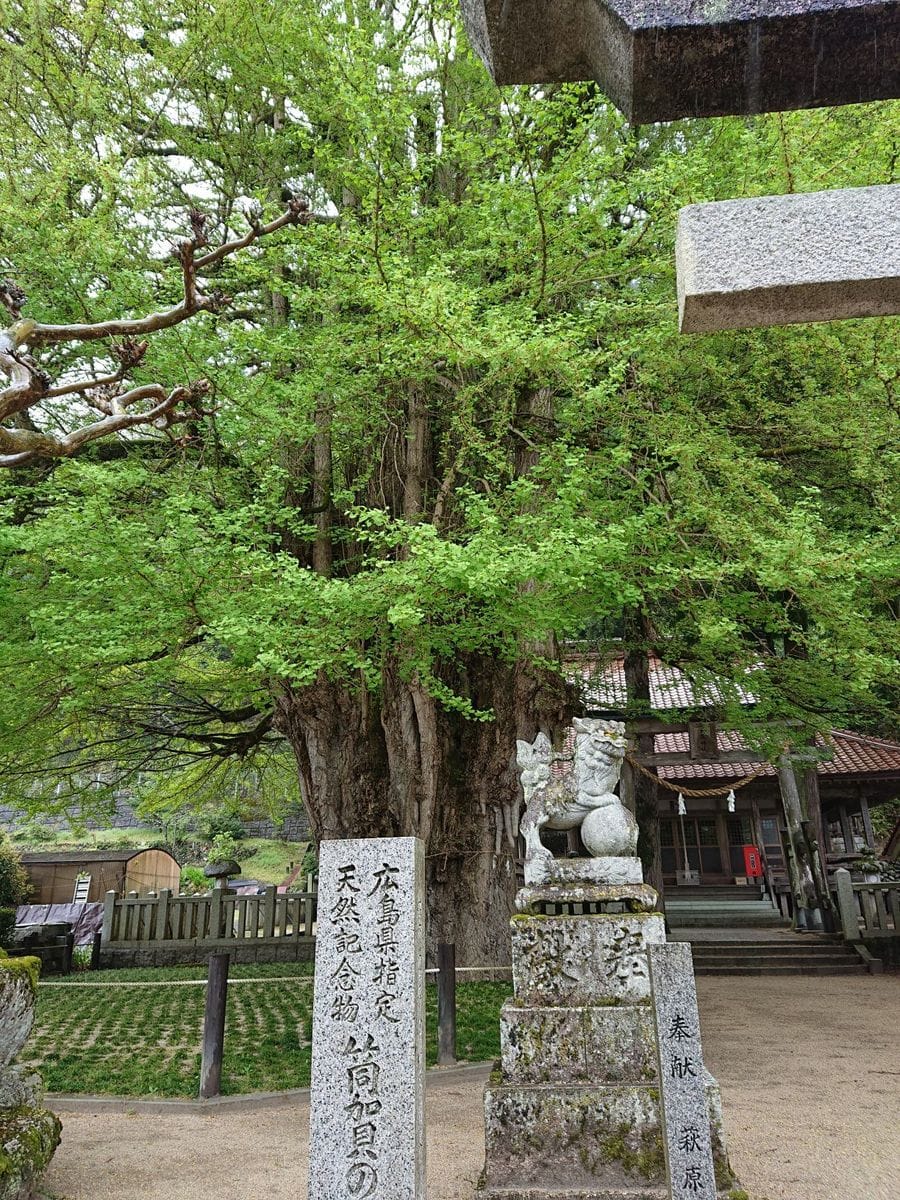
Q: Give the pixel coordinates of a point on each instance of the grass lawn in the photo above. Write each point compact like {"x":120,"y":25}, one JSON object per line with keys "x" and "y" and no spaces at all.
{"x":267,"y":860}
{"x":145,"y":1041}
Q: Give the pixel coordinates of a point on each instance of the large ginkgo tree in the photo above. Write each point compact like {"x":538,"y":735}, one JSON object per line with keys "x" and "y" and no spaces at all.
{"x":343,"y":397}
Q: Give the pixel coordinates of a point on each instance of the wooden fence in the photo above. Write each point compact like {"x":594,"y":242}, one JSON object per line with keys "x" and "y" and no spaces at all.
{"x":165,"y":927}
{"x":868,"y":910}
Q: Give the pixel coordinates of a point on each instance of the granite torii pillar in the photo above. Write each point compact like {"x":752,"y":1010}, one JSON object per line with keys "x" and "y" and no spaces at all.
{"x":815,"y":257}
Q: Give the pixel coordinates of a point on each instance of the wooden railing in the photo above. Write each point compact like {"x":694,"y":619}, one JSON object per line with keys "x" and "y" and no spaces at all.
{"x":868,"y":910}
{"x":219,"y":918}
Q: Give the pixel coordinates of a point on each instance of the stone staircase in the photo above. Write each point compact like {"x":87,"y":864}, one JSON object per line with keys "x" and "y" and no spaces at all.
{"x":721,"y":907}
{"x":738,"y":931}
{"x":797,"y":954}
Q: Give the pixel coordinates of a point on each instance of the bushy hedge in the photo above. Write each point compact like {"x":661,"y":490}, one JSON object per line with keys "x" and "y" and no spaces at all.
{"x":14,"y":889}
{"x":14,"y":884}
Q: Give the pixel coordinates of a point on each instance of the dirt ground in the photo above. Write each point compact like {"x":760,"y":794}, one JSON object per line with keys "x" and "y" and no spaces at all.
{"x":809,"y":1070}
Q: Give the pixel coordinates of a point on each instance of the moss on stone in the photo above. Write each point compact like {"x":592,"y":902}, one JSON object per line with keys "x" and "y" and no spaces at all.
{"x":28,"y":1138}
{"x":647,"y":1160}
{"x":27,"y":967}
{"x":723,"y":1172}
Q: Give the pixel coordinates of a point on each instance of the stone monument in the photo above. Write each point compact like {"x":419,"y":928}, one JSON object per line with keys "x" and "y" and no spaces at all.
{"x":29,"y":1134}
{"x":367,"y":1122}
{"x":684,"y":1081}
{"x":573,"y":1110}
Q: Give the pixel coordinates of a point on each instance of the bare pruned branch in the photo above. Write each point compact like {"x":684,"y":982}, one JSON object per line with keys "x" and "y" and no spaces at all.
{"x":124,"y":406}
{"x":18,"y":447}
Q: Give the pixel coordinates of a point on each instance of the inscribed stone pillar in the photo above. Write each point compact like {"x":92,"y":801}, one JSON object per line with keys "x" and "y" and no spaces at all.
{"x":685,"y":1105}
{"x":367,"y":1104}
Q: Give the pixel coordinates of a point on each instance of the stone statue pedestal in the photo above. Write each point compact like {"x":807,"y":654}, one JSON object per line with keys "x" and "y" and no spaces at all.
{"x":572,"y":1111}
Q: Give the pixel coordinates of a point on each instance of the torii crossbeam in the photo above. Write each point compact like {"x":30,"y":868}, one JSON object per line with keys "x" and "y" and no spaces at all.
{"x":660,"y":60}
{"x":741,"y":263}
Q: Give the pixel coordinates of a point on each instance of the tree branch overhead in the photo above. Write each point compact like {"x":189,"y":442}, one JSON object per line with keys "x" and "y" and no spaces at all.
{"x":124,"y":405}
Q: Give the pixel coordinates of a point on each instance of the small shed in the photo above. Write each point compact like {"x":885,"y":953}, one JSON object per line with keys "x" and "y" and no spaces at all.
{"x":54,"y":875}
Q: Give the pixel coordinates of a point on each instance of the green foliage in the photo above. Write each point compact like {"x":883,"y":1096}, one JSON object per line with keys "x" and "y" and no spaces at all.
{"x":213,"y":824}
{"x":7,"y":925}
{"x":14,"y":883}
{"x":884,"y":817}
{"x":193,"y":881}
{"x":267,"y":859}
{"x":33,"y":833}
{"x":223,"y":848}
{"x":495,"y":268}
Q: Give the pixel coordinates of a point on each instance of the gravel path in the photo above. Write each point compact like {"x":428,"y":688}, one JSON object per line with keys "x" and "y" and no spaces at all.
{"x":812,"y":1110}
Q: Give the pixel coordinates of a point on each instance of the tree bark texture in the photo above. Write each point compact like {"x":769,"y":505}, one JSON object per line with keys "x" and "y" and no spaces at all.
{"x":644,"y":791}
{"x":802,"y":857}
{"x":398,"y":764}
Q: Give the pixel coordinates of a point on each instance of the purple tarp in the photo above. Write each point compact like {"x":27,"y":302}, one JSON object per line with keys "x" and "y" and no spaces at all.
{"x":85,"y":919}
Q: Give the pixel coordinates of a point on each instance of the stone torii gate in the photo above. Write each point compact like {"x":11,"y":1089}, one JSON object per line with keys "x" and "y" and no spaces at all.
{"x":741,"y":263}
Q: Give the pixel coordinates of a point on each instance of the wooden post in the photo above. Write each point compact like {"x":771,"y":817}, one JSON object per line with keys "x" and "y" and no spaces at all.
{"x":847,"y":905}
{"x":644,"y":791}
{"x":95,"y":952}
{"x":215,"y":915}
{"x":806,"y":913}
{"x":867,"y":822}
{"x":446,"y":1004}
{"x":67,"y":959}
{"x":214,"y":1026}
{"x":269,"y":911}
{"x":162,"y":915}
{"x":846,"y":830}
{"x":109,"y":912}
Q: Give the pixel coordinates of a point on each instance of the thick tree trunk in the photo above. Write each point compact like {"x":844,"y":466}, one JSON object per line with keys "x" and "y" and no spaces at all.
{"x":399,"y":764}
{"x":644,"y":791}
{"x":808,"y":914}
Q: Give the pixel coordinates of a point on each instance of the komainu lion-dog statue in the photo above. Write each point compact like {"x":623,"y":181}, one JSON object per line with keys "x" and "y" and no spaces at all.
{"x":582,"y":797}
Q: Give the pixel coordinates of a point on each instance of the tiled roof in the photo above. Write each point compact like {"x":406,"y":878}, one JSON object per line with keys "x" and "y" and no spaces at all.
{"x":603,"y":686}
{"x":852,"y":754}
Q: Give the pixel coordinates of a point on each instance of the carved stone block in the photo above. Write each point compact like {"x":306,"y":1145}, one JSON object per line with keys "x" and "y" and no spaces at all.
{"x":576,"y":871}
{"x":587,"y":1137}
{"x":584,"y":961}
{"x":577,"y":1045}
{"x":779,"y":260}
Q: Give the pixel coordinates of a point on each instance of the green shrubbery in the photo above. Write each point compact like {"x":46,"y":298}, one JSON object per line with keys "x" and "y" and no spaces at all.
{"x":14,"y":888}
{"x":214,"y":825}
{"x":193,"y":880}
{"x":223,"y":848}
{"x":14,"y":883}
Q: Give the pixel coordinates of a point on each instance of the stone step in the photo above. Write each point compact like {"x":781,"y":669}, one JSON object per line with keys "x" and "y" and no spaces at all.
{"x":830,"y":956}
{"x":770,"y":949}
{"x":564,"y":1193}
{"x":702,"y":893}
{"x":781,"y":969}
{"x":795,"y":960}
{"x":726,"y":921}
{"x":722,"y":906}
